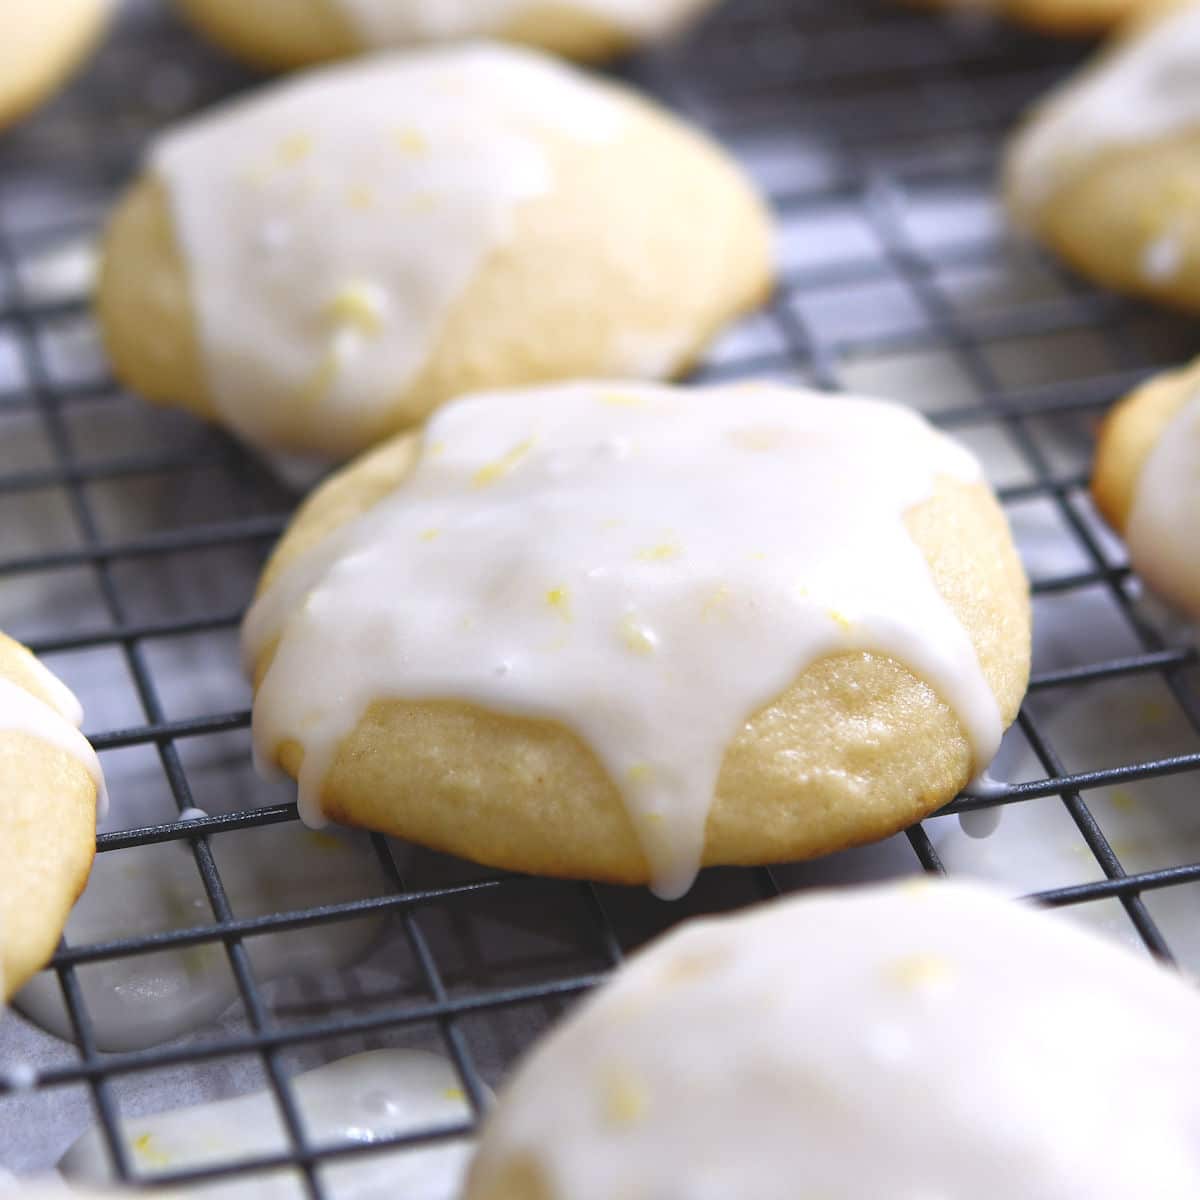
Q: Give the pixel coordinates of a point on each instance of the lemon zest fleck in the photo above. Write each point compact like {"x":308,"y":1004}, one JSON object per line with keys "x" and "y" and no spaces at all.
{"x":412,"y":141}
{"x":1123,"y":799}
{"x":840,"y":619}
{"x":921,"y":971}
{"x":361,"y":197}
{"x":636,"y":636}
{"x":559,"y":599}
{"x":622,"y":400}
{"x":358,"y":305}
{"x":664,"y":552}
{"x":143,"y":1145}
{"x":295,"y":148}
{"x":324,"y":841}
{"x":504,"y":465}
{"x":625,"y":1098}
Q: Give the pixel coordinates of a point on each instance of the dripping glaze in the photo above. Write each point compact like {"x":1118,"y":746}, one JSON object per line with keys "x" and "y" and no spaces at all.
{"x":695,"y":551}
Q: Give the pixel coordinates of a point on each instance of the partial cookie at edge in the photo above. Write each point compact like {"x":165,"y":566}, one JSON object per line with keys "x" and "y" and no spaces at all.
{"x":41,"y":42}
{"x":47,"y":833}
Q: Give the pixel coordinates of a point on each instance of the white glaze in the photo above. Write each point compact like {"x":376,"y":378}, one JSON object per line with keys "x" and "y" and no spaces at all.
{"x":1144,"y":89}
{"x":370,"y":1096}
{"x":1163,"y":531}
{"x":330,"y":223}
{"x":913,"y":1041}
{"x":648,"y":566}
{"x":381,"y":23}
{"x":56,"y":723}
{"x":146,"y":999}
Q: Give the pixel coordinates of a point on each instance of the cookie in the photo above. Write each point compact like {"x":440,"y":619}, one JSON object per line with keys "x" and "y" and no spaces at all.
{"x":1146,"y":482}
{"x":50,"y":787}
{"x":324,"y":264}
{"x":1105,"y":170}
{"x":40,"y":44}
{"x":920,"y":1039}
{"x":616,"y":631}
{"x":1067,"y":17}
{"x":294,"y":33}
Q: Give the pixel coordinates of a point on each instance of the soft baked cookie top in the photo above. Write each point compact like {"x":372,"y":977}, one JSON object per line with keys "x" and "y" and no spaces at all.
{"x":648,"y":566}
{"x":921,"y":1039}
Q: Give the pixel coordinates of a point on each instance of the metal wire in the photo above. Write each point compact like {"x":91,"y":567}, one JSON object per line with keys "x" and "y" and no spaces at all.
{"x":848,"y":110}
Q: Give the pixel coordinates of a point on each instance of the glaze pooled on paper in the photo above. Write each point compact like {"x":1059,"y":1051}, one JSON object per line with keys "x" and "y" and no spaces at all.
{"x":1144,"y":89}
{"x":915,"y":1041}
{"x":386,"y":23}
{"x":329,"y":224}
{"x":57,"y":722}
{"x":360,"y":1099}
{"x":142,"y":1000}
{"x":647,"y":566}
{"x":1163,"y":530}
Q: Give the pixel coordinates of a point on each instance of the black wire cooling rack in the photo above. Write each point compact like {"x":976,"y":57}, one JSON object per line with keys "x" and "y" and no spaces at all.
{"x":876,"y":132}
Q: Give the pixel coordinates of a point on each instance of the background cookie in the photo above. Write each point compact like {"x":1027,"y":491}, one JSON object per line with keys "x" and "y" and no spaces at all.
{"x":1145,"y":482}
{"x":921,"y":1039}
{"x":292,"y":33}
{"x":40,"y":43}
{"x":1105,"y":170}
{"x":1054,"y":16}
{"x":317,"y":278}
{"x":855,"y":748}
{"x":48,"y":801}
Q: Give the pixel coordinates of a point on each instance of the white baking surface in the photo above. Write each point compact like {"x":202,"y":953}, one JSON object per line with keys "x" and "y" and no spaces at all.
{"x":876,"y":336}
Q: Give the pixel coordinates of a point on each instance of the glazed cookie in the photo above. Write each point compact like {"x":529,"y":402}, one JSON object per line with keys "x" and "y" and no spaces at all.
{"x":1146,"y":482}
{"x":1070,"y":17}
{"x":1106,"y":172}
{"x":919,"y":1039}
{"x":324,"y":264}
{"x":40,"y":44}
{"x":294,"y":33}
{"x":616,"y":631}
{"x":50,"y":788}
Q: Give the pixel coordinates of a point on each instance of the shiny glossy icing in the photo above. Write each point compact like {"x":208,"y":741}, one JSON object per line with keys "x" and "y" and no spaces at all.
{"x":647,"y":566}
{"x":921,"y":1040}
{"x":329,"y":223}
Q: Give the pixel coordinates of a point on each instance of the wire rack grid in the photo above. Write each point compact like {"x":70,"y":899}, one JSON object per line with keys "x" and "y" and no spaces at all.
{"x":875,"y":131}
